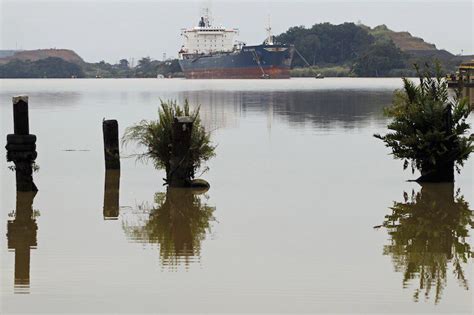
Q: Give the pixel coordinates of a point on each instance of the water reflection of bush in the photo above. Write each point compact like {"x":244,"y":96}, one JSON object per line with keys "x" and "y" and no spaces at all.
{"x":428,"y":231}
{"x":179,"y":221}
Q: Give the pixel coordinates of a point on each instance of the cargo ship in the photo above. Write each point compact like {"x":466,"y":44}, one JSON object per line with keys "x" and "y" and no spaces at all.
{"x":210,"y":52}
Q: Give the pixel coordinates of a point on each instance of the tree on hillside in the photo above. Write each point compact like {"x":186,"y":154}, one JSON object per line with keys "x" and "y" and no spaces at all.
{"x":146,"y":68}
{"x":310,"y":44}
{"x":379,"y":59}
{"x":326,"y":43}
{"x":123,"y":64}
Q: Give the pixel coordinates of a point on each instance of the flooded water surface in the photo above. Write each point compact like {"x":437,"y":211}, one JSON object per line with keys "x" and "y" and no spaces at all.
{"x":307,"y":211}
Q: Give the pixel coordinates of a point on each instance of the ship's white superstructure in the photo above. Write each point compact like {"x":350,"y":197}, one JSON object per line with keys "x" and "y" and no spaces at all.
{"x":207,"y":39}
{"x":209,"y":52}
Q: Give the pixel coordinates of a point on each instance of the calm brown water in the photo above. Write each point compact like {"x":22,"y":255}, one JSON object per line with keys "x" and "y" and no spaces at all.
{"x":297,"y":186}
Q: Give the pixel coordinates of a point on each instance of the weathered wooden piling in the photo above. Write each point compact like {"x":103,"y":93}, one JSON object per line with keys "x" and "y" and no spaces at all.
{"x":21,"y":124}
{"x":181,"y":169}
{"x":21,"y":146}
{"x":111,"y":144}
{"x":111,"y":195}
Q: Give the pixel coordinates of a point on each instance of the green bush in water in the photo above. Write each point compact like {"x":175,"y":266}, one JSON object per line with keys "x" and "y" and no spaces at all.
{"x":157,"y":137}
{"x":429,"y":127}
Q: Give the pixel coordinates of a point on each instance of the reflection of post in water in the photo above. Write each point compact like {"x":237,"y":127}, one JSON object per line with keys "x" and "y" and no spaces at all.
{"x":111,"y":194}
{"x":178,"y":223}
{"x":21,"y":234}
{"x":428,"y":232}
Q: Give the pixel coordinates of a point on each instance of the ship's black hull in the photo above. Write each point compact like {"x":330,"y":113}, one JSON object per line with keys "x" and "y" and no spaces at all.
{"x":251,"y":62}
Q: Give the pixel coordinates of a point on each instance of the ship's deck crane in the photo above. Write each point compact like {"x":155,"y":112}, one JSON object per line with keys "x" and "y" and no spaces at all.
{"x":303,"y":58}
{"x":257,"y":59}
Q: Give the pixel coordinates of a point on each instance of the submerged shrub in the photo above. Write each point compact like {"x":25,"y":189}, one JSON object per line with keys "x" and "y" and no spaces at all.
{"x":429,"y":127}
{"x":157,"y":137}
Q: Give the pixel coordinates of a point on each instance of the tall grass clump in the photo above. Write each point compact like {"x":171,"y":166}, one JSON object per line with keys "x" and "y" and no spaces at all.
{"x":429,"y":127}
{"x":157,"y":137}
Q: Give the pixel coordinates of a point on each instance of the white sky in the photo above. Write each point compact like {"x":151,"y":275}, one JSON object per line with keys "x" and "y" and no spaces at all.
{"x":110,"y":30}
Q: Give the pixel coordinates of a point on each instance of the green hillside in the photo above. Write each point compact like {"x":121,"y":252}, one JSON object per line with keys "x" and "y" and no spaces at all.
{"x":357,"y":50}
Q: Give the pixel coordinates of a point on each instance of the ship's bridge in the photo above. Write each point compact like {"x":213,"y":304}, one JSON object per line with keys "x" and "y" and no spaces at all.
{"x":205,"y":39}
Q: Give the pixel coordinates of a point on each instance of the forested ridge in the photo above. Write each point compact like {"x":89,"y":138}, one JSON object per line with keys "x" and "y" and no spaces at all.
{"x":358,"y":50}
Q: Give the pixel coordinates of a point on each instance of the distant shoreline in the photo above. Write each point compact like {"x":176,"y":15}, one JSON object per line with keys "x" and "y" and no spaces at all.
{"x":183,"y":78}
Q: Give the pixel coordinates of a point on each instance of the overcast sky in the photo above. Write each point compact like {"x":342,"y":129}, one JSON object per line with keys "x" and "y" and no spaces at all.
{"x":110,"y":30}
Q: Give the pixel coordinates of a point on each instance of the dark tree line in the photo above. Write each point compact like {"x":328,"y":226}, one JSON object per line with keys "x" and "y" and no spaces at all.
{"x":51,"y":67}
{"x":146,"y":68}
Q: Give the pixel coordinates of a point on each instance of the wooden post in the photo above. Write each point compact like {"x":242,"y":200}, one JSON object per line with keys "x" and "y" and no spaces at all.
{"x":181,"y":170}
{"x":111,"y":195}
{"x":111,"y":144}
{"x":20,"y":115}
{"x":21,"y":146}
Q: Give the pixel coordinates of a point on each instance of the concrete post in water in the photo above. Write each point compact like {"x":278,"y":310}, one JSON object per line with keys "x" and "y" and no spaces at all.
{"x":21,"y":146}
{"x":111,"y":144}
{"x":111,"y":195}
{"x":181,"y":169}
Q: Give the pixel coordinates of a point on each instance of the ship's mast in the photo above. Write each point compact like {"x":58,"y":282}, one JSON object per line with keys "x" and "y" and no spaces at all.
{"x":206,"y":14}
{"x":269,"y":40}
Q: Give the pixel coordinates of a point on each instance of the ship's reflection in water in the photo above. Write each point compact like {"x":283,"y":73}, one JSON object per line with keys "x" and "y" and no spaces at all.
{"x":21,"y":235}
{"x":178,"y":222}
{"x":428,"y":234}
{"x":321,"y":109}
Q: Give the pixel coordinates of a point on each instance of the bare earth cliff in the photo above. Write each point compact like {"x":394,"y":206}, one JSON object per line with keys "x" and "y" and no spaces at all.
{"x":38,"y":54}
